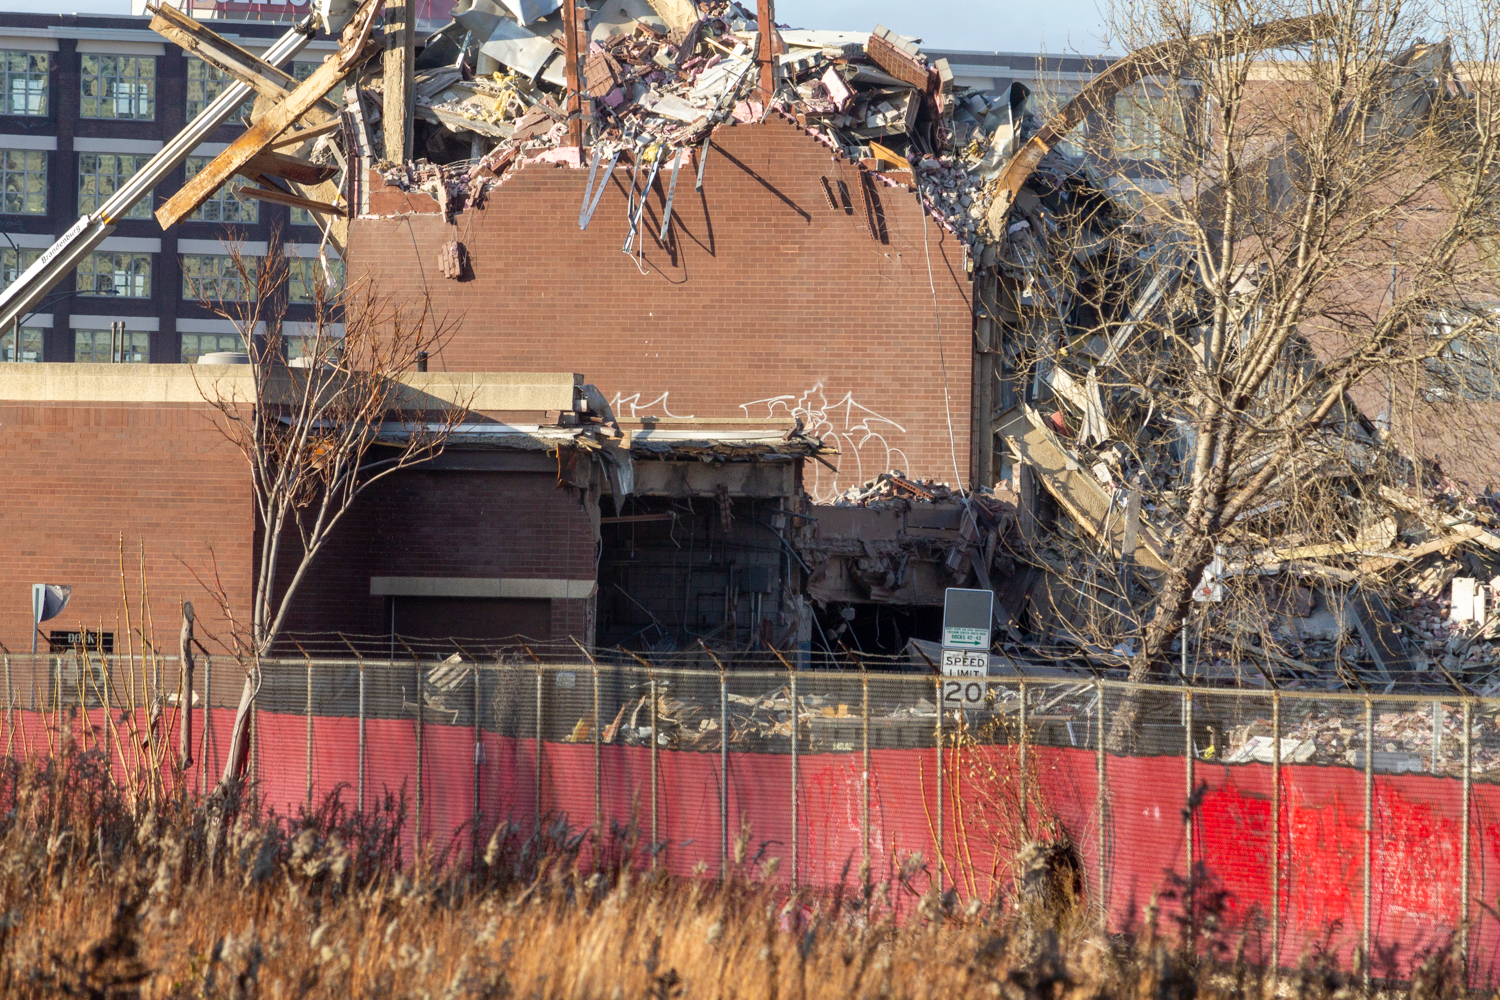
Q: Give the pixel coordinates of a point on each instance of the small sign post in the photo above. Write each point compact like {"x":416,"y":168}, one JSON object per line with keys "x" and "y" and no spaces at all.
{"x":967,"y":616}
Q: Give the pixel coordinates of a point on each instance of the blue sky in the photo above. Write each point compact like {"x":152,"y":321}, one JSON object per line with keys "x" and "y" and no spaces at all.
{"x":1056,"y":25}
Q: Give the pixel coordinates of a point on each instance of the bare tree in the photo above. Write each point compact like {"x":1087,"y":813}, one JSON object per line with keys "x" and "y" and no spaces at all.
{"x":1208,"y":352}
{"x":324,"y":415}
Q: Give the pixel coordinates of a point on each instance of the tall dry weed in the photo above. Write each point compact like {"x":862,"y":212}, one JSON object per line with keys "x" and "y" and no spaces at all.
{"x":100,"y":899}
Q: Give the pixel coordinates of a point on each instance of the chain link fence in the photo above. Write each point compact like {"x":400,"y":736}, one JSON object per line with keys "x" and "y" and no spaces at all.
{"x":1361,"y":827}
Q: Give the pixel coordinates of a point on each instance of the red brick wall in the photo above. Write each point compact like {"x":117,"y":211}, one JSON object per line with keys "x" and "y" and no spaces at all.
{"x":764,"y":302}
{"x":447,"y":524}
{"x":75,"y":478}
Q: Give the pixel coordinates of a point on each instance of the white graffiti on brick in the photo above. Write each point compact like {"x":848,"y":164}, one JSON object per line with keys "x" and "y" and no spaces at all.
{"x":631,"y":408}
{"x":861,"y":433}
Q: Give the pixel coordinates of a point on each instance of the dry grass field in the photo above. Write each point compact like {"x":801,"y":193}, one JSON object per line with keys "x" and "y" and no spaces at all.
{"x":99,"y":898}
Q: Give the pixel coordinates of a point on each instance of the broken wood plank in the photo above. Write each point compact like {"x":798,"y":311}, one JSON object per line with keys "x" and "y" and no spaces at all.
{"x":400,"y":78}
{"x":222,"y":54}
{"x":260,"y":135}
{"x":282,"y":198}
{"x":297,"y":138}
{"x":291,"y":168}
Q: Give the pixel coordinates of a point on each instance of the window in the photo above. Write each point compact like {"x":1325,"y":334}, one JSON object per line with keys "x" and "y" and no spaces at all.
{"x":214,"y":277}
{"x":118,"y":86}
{"x":31,"y":344}
{"x":13,"y":262}
{"x":225,"y":204}
{"x":204,"y":84}
{"x":195,"y":345}
{"x":305,"y":274}
{"x":25,"y":82}
{"x":127,"y":275}
{"x":100,"y":175}
{"x":95,"y":346}
{"x":1468,"y":367}
{"x":302,"y":217}
{"x":1148,"y":122}
{"x":302,"y":69}
{"x":23,"y":182}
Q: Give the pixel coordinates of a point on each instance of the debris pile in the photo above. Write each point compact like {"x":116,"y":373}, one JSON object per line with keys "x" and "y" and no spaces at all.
{"x":491,"y":93}
{"x":1403,"y":741}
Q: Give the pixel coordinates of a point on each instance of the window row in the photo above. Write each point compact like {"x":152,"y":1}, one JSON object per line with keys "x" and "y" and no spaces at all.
{"x":106,"y":346}
{"x":211,"y":277}
{"x":23,"y":187}
{"x":119,"y":87}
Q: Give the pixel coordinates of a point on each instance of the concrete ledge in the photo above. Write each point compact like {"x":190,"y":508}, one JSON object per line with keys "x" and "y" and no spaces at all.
{"x":63,"y":382}
{"x":479,"y":586}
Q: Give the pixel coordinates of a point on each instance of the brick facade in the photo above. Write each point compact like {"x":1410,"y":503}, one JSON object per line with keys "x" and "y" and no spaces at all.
{"x":448,"y":523}
{"x":79,"y":477}
{"x":766,"y":301}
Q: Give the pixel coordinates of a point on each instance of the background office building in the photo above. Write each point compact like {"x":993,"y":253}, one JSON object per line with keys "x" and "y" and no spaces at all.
{"x":84,"y":103}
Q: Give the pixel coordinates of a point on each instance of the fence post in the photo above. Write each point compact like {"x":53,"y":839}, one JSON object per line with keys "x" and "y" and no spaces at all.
{"x":864,"y":784}
{"x":417,"y":671}
{"x":538,"y":747}
{"x":1464,"y":879}
{"x":1369,"y":836}
{"x":938,"y":736}
{"x":309,"y":734}
{"x":10,"y":721}
{"x":361,"y":761}
{"x":1276,"y":829}
{"x":1022,"y":778}
{"x":796,"y":727}
{"x":598,"y":773}
{"x":723,"y":773}
{"x":1187,"y":814}
{"x":208,"y":710}
{"x":1099,"y":803}
{"x":478,"y":763}
{"x":655,"y":744}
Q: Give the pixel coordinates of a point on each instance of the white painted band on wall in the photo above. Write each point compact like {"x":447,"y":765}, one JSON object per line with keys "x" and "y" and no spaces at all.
{"x":114,"y":46}
{"x":209,"y":148}
{"x":23,"y":43}
{"x":46,"y":142}
{"x":145,"y":324}
{"x":89,"y":144}
{"x":250,"y":248}
{"x":26,"y":241}
{"x":308,"y":251}
{"x":132,"y":244}
{"x":480,"y":586}
{"x":38,"y":319}
{"x":186,"y":325}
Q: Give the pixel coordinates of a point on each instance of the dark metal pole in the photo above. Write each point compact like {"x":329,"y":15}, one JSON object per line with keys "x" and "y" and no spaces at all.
{"x":1189,"y":755}
{"x":361,"y":761}
{"x":1468,"y":793}
{"x":864,"y":783}
{"x":309,"y":768}
{"x":1100,"y":804}
{"x":1369,"y":835}
{"x":796,"y":729}
{"x":1276,"y":828}
{"x":418,"y":672}
{"x":478,"y":764}
{"x":723,"y":774}
{"x":598,"y":769}
{"x":938,"y":734}
{"x":538,"y":747}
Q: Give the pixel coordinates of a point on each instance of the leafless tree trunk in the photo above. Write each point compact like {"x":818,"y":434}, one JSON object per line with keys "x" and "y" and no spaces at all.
{"x":1223,"y":334}
{"x":308,"y":425}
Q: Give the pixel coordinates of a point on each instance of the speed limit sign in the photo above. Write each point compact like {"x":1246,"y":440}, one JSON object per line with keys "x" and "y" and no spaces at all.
{"x":963,"y":692}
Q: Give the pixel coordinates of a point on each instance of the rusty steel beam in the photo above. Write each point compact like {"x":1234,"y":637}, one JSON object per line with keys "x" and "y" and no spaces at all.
{"x":264,"y":132}
{"x":1149,"y":61}
{"x":268,"y":193}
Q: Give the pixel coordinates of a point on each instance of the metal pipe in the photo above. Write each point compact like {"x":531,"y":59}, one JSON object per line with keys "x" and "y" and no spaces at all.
{"x":1468,"y":792}
{"x":417,"y":669}
{"x":723,"y":773}
{"x":1369,"y":835}
{"x":1099,"y":805}
{"x":796,"y":732}
{"x":1276,"y":828}
{"x":309,"y":768}
{"x":938,"y":735}
{"x":864,"y":782}
{"x":598,"y":776}
{"x":1190,"y":762}
{"x":1021,"y":781}
{"x":208,"y":708}
{"x":655,"y":750}
{"x":478,"y":763}
{"x":361,"y":761}
{"x":538,"y":748}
